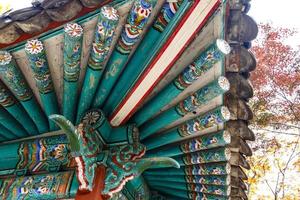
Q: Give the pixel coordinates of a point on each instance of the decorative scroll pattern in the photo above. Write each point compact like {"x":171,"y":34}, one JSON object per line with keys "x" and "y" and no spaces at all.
{"x":203,"y":96}
{"x":207,"y":156}
{"x":214,"y":169}
{"x":208,"y":180}
{"x":166,"y":14}
{"x":107,"y":23}
{"x":122,"y":166}
{"x":209,"y":189}
{"x":136,"y":21}
{"x":39,"y":65}
{"x":208,"y":58}
{"x":48,"y":186}
{"x":72,"y":51}
{"x":210,"y":119}
{"x":206,"y":142}
{"x":90,"y":147}
{"x":13,"y":77}
{"x":46,"y":154}
{"x":6,"y":99}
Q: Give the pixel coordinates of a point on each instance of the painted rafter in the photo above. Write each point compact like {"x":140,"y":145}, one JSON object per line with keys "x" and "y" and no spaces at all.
{"x":192,"y":22}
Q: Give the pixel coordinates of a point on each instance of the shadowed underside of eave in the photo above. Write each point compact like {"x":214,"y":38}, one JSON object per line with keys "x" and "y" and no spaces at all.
{"x":168,"y":73}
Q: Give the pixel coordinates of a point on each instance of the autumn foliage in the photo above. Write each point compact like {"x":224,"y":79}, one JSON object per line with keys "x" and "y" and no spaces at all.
{"x":276,"y":80}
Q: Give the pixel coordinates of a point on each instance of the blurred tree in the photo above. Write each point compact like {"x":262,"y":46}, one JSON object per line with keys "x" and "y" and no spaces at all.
{"x":276,"y":107}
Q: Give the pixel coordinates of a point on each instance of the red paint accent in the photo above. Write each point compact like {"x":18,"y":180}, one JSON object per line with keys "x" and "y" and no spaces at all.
{"x":53,"y":25}
{"x":98,"y":187}
{"x":157,"y":58}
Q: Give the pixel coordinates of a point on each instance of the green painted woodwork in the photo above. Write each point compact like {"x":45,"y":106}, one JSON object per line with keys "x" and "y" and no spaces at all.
{"x":11,"y":105}
{"x":213,"y":54}
{"x":183,"y":194}
{"x":124,"y":161}
{"x":11,"y":124}
{"x":199,"y":124}
{"x":197,"y":169}
{"x":136,"y":21}
{"x":107,"y":23}
{"x":36,"y":54}
{"x":47,"y":186}
{"x":201,"y":157}
{"x":5,"y":133}
{"x":73,"y":34}
{"x":137,"y":189}
{"x":204,"y":180}
{"x":190,"y":104}
{"x":15,"y":81}
{"x":155,"y":37}
{"x":47,"y":154}
{"x":205,"y":189}
{"x":203,"y":142}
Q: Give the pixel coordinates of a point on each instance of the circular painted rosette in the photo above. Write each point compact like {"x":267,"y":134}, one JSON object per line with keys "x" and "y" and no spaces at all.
{"x":109,"y":13}
{"x":227,"y":154}
{"x":5,"y":58}
{"x":223,"y":46}
{"x":225,"y":113}
{"x":34,"y":46}
{"x":93,"y":118}
{"x":223,"y":83}
{"x":227,"y":137}
{"x":73,"y":30}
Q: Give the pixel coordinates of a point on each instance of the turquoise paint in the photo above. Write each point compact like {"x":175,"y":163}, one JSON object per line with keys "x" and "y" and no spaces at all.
{"x":73,"y":34}
{"x":190,"y":127}
{"x":190,"y":104}
{"x":136,"y":21}
{"x":137,"y":189}
{"x":207,"y":180}
{"x":107,"y":22}
{"x":150,"y":45}
{"x":9,"y":156}
{"x":203,"y":142}
{"x":15,"y":81}
{"x":211,"y":55}
{"x":36,"y":114}
{"x":38,"y":62}
{"x":11,"y":124}
{"x":9,"y":103}
{"x":220,"y":168}
{"x":206,"y":156}
{"x":219,"y":190}
{"x":5,"y":133}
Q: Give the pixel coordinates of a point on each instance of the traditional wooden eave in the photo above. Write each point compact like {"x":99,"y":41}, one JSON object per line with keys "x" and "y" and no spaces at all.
{"x":141,"y":84}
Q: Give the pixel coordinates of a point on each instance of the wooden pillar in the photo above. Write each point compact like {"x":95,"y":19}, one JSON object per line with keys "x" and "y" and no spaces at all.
{"x":98,"y":187}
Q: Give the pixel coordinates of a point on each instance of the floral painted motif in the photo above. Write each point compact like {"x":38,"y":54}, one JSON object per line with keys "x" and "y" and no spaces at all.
{"x":203,"y":96}
{"x":208,"y":180}
{"x":207,"y":156}
{"x":110,"y":13}
{"x":72,"y":51}
{"x":39,"y":65}
{"x":48,"y":186}
{"x":207,"y":59}
{"x":91,"y":117}
{"x":13,"y":78}
{"x":166,"y":14}
{"x":137,"y":19}
{"x":208,"y":189}
{"x":107,"y":23}
{"x":208,"y":169}
{"x":46,"y":154}
{"x":6,"y":98}
{"x":213,"y":118}
{"x":207,"y":142}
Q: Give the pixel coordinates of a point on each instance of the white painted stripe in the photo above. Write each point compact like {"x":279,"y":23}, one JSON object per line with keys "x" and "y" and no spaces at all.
{"x":177,"y":44}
